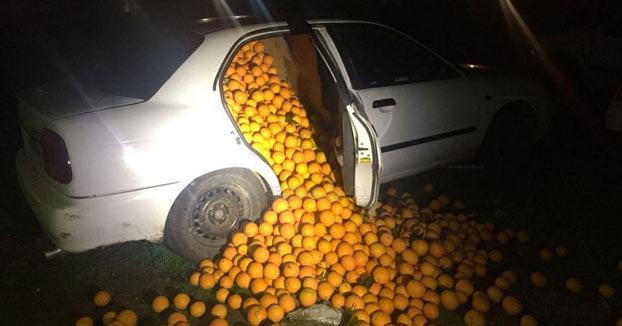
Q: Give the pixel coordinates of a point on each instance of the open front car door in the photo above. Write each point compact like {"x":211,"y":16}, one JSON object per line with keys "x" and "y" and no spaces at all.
{"x":362,"y":162}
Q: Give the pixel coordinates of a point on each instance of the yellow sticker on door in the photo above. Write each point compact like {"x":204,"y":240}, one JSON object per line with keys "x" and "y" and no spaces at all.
{"x":365,"y":160}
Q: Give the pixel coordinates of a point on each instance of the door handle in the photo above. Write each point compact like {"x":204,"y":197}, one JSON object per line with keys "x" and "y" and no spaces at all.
{"x":383,"y":102}
{"x":385,"y":105}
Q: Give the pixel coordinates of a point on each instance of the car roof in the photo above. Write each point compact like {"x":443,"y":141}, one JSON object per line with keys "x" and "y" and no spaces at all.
{"x":208,"y":25}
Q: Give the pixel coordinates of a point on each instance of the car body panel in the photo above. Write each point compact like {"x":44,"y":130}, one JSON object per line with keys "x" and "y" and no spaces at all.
{"x":67,"y":98}
{"x":433,"y":123}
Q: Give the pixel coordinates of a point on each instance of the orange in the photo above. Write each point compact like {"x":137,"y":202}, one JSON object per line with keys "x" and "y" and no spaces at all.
{"x":474,"y":318}
{"x":84,"y":321}
{"x":159,"y":303}
{"x":415,"y":288}
{"x":108,"y":317}
{"x":337,"y":300}
{"x":325,"y":290}
{"x":275,"y":313}
{"x":377,"y":249}
{"x":271,"y":271}
{"x":101,"y":298}
{"x":238,"y":238}
{"x":181,"y":301}
{"x":337,"y":231}
{"x":128,"y":317}
{"x":219,"y":322}
{"x":267,"y":300}
{"x":344,"y":248}
{"x":290,"y":269}
{"x":606,"y":290}
{"x":305,"y":258}
{"x":334,"y":279}
{"x":240,"y":97}
{"x":495,"y":294}
{"x":430,"y":310}
{"x":176,"y":317}
{"x":380,"y":318}
{"x":287,"y":302}
{"x":419,"y":246}
{"x":354,"y":302}
{"x":207,"y":281}
{"x":287,"y":216}
{"x":255,"y":270}
{"x":400,"y":301}
{"x":222,"y":294}
{"x":270,"y":216}
{"x":292,"y":284}
{"x":381,"y":275}
{"x":480,"y":302}
{"x":249,"y":302}
{"x":528,"y":320}
{"x":261,"y":254}
{"x":511,"y":305}
{"x":327,"y":218}
{"x":234,"y":301}
{"x":256,"y":314}
{"x":197,"y":309}
{"x":307,"y":297}
{"x":258,"y":285}
{"x":265,"y":228}
{"x":279,"y":205}
{"x":226,"y":282}
{"x":386,"y":305}
{"x":465,"y":286}
{"x":287,"y":230}
{"x":243,"y":279}
{"x":399,"y":245}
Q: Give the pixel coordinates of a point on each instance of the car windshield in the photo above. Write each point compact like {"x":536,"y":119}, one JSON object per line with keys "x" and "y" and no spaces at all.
{"x":129,"y":56}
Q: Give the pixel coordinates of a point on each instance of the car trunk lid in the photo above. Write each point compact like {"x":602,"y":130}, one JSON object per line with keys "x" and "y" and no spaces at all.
{"x":64,"y":99}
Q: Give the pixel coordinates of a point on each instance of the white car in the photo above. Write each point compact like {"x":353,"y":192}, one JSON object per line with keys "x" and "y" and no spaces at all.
{"x":169,"y":163}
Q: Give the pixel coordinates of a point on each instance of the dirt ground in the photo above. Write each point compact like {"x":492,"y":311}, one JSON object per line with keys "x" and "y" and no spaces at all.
{"x":571,"y":198}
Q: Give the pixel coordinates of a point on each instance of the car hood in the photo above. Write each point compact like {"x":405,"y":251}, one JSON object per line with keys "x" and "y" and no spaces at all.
{"x":64,"y":99}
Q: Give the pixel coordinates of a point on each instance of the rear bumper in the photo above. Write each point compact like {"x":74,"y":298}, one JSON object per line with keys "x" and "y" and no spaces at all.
{"x":79,"y":224}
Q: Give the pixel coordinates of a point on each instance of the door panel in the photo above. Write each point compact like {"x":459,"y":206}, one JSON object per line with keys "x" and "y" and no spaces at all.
{"x":423,"y":109}
{"x":361,"y":159}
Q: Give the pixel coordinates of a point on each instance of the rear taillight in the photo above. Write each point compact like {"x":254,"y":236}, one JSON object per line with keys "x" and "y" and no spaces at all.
{"x":55,"y":156}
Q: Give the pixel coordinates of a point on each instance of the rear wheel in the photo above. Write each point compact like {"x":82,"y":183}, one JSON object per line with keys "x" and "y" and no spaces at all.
{"x":210,"y":208}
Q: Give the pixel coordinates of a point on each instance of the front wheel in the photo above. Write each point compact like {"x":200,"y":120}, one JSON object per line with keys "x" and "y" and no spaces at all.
{"x":209,"y":209}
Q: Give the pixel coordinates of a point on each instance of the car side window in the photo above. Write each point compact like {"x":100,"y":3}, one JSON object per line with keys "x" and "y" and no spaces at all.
{"x":376,"y":56}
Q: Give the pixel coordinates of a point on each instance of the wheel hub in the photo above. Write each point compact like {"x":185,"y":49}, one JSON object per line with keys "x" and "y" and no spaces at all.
{"x":216,"y":213}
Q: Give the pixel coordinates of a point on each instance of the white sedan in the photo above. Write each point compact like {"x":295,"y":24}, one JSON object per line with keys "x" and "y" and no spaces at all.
{"x":160,"y":157}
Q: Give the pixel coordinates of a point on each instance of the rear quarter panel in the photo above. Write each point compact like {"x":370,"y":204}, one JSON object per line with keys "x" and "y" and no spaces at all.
{"x":181,"y":133}
{"x":501,"y":91}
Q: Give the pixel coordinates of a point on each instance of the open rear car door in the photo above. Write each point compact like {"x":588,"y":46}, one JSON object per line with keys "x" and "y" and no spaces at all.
{"x":361,"y":161}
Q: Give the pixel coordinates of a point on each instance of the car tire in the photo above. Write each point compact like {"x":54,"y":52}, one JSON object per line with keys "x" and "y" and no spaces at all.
{"x":210,"y":208}
{"x":507,"y":151}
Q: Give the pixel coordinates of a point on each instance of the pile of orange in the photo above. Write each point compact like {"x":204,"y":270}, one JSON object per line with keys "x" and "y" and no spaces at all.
{"x":395,"y":267}
{"x":312,"y":245}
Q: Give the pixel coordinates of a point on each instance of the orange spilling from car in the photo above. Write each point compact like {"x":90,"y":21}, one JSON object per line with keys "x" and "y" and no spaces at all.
{"x":313,"y":245}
